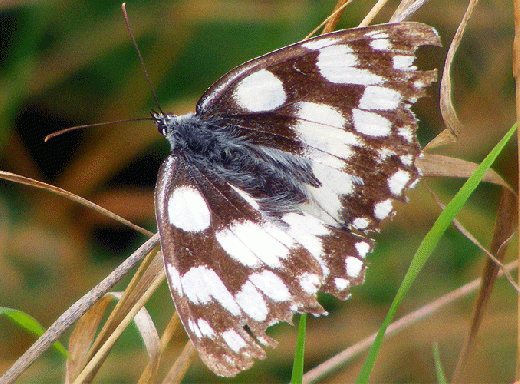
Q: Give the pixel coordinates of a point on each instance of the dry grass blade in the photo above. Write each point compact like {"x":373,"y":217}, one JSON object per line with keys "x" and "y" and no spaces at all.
{"x":444,"y":166}
{"x":443,"y":138}
{"x":506,"y":219}
{"x":77,"y":199}
{"x":333,"y":19}
{"x":85,"y":331}
{"x":373,"y":12}
{"x":95,"y":363}
{"x":183,"y":362}
{"x":447,"y":109}
{"x":150,"y":336}
{"x":338,"y":11}
{"x":326,"y":368}
{"x":75,"y":311}
{"x":138,"y":288}
{"x":406,"y":9}
{"x":82,"y":337}
{"x":171,"y":329}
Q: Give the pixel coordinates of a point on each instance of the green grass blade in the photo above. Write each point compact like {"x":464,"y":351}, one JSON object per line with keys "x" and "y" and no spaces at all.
{"x":297,"y":371}
{"x":427,"y":246}
{"x":441,"y":378}
{"x":30,"y":324}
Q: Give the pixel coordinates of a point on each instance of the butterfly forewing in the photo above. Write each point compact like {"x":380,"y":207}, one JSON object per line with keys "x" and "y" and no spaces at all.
{"x":342,"y":101}
{"x":274,"y":184}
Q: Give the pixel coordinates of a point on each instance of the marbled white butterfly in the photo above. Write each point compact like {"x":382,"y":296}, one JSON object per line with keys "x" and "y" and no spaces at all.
{"x":276,"y":180}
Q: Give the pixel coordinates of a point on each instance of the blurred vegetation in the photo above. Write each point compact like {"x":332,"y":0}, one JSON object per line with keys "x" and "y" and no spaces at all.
{"x":64,"y":63}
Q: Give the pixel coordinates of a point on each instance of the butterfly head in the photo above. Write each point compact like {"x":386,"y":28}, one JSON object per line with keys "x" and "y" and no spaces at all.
{"x":170,"y":125}
{"x":164,"y":122}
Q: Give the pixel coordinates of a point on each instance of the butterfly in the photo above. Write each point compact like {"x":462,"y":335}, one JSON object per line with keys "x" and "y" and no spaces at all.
{"x":274,"y":185}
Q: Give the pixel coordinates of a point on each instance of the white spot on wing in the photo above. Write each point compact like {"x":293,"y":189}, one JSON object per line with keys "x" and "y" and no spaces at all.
{"x":305,"y":229}
{"x":353,"y":266}
{"x":327,"y":139}
{"x":406,"y":160}
{"x":383,"y":209}
{"x":252,"y":302}
{"x":260,"y":91}
{"x":321,"y":126}
{"x":236,"y":248}
{"x":363,"y":248}
{"x":319,"y":43}
{"x":233,"y":340}
{"x":271,"y":285}
{"x":419,"y":84}
{"x":406,"y":133}
{"x":334,"y":185}
{"x":398,"y":181}
{"x":278,"y":234}
{"x":370,"y":123}
{"x":265,"y":242}
{"x":194,"y":328}
{"x":381,"y":43}
{"x":309,"y":282}
{"x":380,"y":98}
{"x":338,"y":181}
{"x":187,"y":210}
{"x":206,"y":329}
{"x":322,"y":113}
{"x":201,"y":283}
{"x":360,"y":223}
{"x":174,"y":279}
{"x":403,"y":62}
{"x":327,"y":159}
{"x":337,"y":64}
{"x":341,"y":284}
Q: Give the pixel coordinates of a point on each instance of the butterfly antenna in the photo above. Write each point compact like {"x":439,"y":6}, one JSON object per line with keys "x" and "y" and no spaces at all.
{"x":127,"y":22}
{"x":54,"y":134}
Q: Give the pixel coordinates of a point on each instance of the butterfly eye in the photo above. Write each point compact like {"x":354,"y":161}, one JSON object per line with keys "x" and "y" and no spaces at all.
{"x":161,"y":127}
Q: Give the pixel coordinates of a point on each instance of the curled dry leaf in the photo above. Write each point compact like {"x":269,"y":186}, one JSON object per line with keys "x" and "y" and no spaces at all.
{"x":448,"y":112}
{"x":82,"y":337}
{"x":505,"y":224}
{"x":444,"y":166}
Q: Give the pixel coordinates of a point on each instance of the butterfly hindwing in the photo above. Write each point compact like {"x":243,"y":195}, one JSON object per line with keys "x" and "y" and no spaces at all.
{"x":228,"y":267}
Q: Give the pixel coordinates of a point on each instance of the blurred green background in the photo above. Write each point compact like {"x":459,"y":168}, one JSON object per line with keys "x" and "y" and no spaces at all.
{"x":64,"y":63}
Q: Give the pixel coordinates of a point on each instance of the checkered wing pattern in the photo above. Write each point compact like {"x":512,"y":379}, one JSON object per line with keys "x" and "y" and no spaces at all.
{"x":276,"y":182}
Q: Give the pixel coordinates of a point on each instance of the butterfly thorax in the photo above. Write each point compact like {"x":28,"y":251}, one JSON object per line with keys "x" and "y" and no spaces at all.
{"x":277,"y":179}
